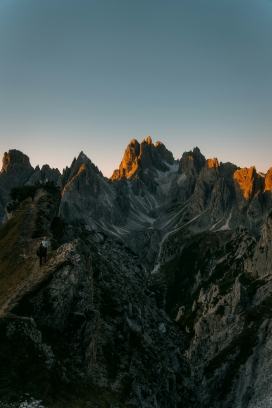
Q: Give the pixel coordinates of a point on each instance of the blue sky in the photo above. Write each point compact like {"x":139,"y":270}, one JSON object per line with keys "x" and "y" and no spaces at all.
{"x":93,"y":74}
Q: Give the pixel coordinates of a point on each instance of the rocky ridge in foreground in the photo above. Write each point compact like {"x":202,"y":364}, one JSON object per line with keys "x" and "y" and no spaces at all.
{"x":90,"y":328}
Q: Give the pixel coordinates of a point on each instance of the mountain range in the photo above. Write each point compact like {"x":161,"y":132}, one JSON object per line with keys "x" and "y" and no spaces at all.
{"x":157,"y":291}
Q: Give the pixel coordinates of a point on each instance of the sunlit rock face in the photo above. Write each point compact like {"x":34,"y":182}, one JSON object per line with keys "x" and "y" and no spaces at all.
{"x":248,"y":182}
{"x":14,"y":158}
{"x":141,"y":162}
{"x":130,"y":161}
{"x":268,"y":180}
{"x":16,"y":170}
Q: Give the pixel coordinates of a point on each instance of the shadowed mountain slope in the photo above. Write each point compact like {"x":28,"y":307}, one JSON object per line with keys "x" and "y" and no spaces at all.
{"x":86,"y":326}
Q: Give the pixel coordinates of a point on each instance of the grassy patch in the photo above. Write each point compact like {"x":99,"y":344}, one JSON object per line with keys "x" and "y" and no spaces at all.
{"x":13,"y":267}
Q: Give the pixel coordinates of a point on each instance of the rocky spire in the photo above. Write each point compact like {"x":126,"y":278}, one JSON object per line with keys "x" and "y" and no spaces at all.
{"x":81,"y":162}
{"x":141,"y":156}
{"x":15,"y":158}
{"x":141,"y":162}
{"x":16,"y":170}
{"x":192,"y":160}
{"x":248,"y":182}
{"x":268,"y":180}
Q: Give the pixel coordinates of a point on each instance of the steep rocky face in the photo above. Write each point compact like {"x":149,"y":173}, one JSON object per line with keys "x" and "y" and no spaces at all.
{"x":16,"y":170}
{"x":268,"y":180}
{"x":189,"y":167}
{"x":218,"y":288}
{"x":248,"y":183}
{"x":260,"y":263}
{"x":141,"y":162}
{"x":87,"y":194}
{"x":192,"y":160}
{"x":208,"y":176}
{"x":14,"y":158}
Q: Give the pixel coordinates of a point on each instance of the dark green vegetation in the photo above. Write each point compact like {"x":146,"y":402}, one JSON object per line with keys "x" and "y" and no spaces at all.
{"x":21,"y":193}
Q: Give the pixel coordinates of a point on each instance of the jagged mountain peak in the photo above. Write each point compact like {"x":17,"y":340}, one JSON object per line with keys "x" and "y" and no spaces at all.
{"x":138,"y":157}
{"x":193,"y":160}
{"x":13,"y":157}
{"x":268,"y":180}
{"x":212,"y":163}
{"x":82,"y":162}
{"x":148,"y":140}
{"x":249,"y":181}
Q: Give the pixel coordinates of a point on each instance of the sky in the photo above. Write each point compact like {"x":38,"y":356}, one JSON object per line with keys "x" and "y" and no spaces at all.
{"x":90,"y":75}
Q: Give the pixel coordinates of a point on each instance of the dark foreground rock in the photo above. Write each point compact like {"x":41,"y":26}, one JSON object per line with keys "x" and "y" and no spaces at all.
{"x":92,"y":329}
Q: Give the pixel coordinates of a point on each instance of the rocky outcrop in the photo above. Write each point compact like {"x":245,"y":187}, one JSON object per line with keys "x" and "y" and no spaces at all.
{"x":213,"y":290}
{"x":268,"y":180}
{"x":208,"y":176}
{"x":16,"y":170}
{"x":44,"y":173}
{"x":189,"y":166}
{"x":141,"y":162}
{"x":87,"y":194}
{"x":247,"y":183}
{"x":192,"y":160}
{"x":259,"y":264}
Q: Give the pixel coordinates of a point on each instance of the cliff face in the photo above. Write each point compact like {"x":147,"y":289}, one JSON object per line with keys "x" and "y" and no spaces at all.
{"x":141,"y":162}
{"x":87,"y":194}
{"x":16,"y":170}
{"x":218,"y":288}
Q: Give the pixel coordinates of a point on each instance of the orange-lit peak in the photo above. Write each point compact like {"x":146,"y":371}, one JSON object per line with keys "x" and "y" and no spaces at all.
{"x":268,"y":180}
{"x":133,"y":142}
{"x":212,"y":163}
{"x":246,"y":180}
{"x":148,"y":140}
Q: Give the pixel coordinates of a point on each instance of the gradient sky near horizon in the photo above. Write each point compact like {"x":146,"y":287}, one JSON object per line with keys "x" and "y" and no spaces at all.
{"x":93,"y":74}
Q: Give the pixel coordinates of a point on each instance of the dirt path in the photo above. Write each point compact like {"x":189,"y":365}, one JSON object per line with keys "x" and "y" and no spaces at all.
{"x":29,"y":246}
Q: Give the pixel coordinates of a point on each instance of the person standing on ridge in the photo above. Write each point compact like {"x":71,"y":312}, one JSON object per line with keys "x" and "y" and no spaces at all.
{"x":45,"y":245}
